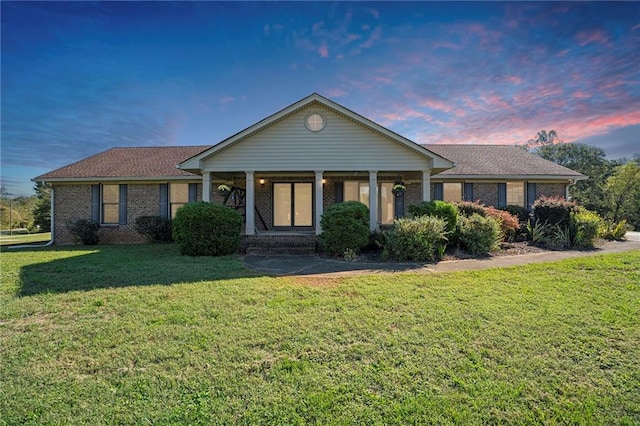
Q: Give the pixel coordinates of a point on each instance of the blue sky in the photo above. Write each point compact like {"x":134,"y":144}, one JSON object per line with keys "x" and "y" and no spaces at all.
{"x":79,"y":78}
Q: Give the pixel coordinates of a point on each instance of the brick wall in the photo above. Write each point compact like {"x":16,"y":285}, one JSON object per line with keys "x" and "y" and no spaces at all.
{"x":550,"y":190}
{"x":73,"y":202}
{"x":486,"y":193}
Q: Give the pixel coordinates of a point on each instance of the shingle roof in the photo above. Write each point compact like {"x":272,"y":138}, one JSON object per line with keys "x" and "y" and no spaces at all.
{"x":494,"y":160}
{"x":131,"y":162}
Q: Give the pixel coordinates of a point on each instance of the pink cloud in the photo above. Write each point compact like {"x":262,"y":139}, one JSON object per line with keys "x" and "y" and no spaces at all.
{"x":587,"y":37}
{"x":336,"y":93}
{"x":580,"y":95}
{"x":323,"y":50}
{"x":226,"y":99}
{"x":514,"y":79}
{"x":562,"y":53}
{"x":375,"y":36}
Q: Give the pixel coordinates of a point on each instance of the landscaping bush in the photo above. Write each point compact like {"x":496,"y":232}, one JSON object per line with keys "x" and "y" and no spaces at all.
{"x":469,"y":208}
{"x":207,"y":229}
{"x":584,"y":227}
{"x":613,"y":231}
{"x":345,"y":226}
{"x":479,"y":235}
{"x":553,"y":210}
{"x":444,"y":210}
{"x":84,"y":231}
{"x":520,"y":212}
{"x":421,"y":238}
{"x":509,"y":224}
{"x":157,"y":229}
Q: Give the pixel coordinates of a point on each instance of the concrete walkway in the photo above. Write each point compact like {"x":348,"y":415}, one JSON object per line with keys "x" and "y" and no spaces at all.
{"x":289,"y":265}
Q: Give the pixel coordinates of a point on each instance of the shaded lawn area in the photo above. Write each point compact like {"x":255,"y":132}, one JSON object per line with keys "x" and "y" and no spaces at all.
{"x":153,"y":337}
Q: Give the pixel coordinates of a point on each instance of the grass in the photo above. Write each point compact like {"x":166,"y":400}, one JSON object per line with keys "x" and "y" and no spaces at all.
{"x":41,"y":237}
{"x":139,"y":334}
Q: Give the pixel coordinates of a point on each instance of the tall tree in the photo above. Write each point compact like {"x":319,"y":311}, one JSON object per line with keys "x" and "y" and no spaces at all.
{"x":623,"y":191}
{"x":589,"y":161}
{"x":544,"y":138}
{"x":42,"y":209}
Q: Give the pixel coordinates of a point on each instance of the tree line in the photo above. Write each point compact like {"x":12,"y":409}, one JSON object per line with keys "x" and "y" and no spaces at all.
{"x":30,"y":212}
{"x":613,"y":187}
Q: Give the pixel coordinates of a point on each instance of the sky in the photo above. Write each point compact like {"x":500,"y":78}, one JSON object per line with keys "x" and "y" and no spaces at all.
{"x":79,"y":78}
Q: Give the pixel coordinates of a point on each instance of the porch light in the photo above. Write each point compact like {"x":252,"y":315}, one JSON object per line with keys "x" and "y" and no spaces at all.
{"x":324,"y":181}
{"x":261,"y":181}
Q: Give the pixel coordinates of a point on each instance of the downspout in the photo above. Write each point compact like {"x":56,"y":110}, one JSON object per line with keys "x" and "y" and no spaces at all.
{"x":50,"y":242}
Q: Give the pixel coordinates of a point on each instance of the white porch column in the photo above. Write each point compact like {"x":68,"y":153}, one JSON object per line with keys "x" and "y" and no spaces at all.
{"x":426,"y":185}
{"x":206,"y":186}
{"x":250,"y":225}
{"x":319,"y":200}
{"x":373,"y":200}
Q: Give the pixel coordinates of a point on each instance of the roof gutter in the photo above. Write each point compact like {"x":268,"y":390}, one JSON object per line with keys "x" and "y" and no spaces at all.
{"x":53,"y":230}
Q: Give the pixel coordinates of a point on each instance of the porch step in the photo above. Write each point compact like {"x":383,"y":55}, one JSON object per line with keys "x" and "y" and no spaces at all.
{"x":279,"y":244}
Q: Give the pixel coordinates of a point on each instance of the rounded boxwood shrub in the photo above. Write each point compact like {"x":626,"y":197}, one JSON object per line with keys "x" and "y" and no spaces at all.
{"x":207,"y":229}
{"x":84,"y":231}
{"x":479,"y":235}
{"x":584,"y":227}
{"x":345,"y":226}
{"x":442,"y":209}
{"x":157,"y":229}
{"x":421,"y":238}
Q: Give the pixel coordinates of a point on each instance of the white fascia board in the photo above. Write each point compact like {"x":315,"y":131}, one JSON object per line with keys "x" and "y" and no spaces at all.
{"x":509,"y":177}
{"x":143,"y":179}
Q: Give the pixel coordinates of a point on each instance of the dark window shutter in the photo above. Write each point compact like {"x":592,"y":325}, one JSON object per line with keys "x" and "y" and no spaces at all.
{"x":502,"y":195}
{"x":339,"y":192}
{"x":468,"y":192}
{"x":123,"y":205}
{"x":438,"y":191}
{"x":193,"y":192}
{"x":531,"y":194}
{"x":164,"y":200}
{"x":95,"y":203}
{"x":398,"y":207}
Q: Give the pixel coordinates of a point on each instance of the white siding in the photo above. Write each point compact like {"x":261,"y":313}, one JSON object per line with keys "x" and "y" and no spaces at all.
{"x":342,"y":145}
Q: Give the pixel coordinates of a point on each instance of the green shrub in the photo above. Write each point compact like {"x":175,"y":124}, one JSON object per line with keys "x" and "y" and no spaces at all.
{"x":558,"y":238}
{"x":613,"y":231}
{"x":479,"y":235}
{"x":421,"y":238}
{"x":442,"y":209}
{"x":553,"y":210}
{"x":469,"y":208}
{"x":345,"y":226}
{"x":84,"y":231}
{"x":509,"y":224}
{"x":585,"y":226}
{"x":518,"y":211}
{"x":207,"y":229}
{"x":157,"y":229}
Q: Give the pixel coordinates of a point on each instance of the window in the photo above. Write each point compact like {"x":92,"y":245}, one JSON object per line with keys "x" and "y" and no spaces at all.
{"x":386,"y":203}
{"x":315,"y":122}
{"x":359,"y":191}
{"x":110,"y":204}
{"x":452,"y":192}
{"x":293,"y":204}
{"x":178,"y":197}
{"x":515,"y":194}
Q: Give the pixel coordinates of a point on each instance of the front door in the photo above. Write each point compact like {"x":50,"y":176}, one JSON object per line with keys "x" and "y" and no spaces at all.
{"x":292,"y":204}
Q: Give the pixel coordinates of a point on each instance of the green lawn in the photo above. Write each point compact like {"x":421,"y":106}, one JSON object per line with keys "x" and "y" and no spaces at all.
{"x":42,"y":237}
{"x":141,"y":335}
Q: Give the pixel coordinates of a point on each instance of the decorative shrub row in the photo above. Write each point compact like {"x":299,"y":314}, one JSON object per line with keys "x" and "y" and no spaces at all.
{"x":207,"y":229}
{"x":421,"y":238}
{"x":345,"y":226}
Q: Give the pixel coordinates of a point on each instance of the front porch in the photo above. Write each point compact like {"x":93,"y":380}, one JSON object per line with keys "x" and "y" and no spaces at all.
{"x":292,"y":203}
